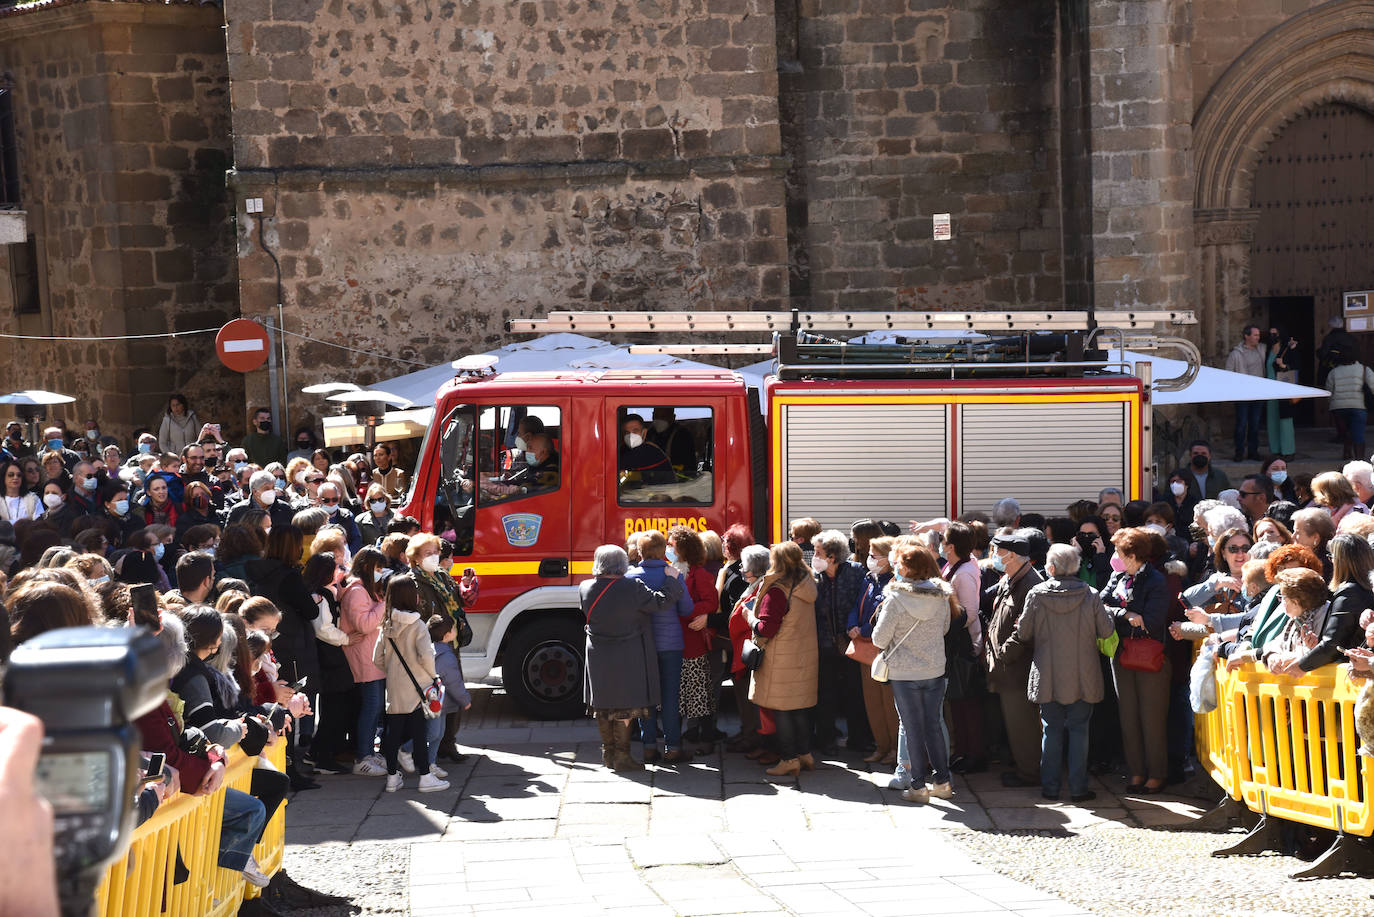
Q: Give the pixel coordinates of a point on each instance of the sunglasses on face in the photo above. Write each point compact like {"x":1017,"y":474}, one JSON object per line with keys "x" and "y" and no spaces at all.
{"x":1111,"y":518}
{"x":314,"y":480}
{"x":1237,"y":548}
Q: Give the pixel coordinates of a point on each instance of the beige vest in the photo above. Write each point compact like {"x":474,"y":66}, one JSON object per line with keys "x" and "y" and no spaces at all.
{"x":787,"y":678}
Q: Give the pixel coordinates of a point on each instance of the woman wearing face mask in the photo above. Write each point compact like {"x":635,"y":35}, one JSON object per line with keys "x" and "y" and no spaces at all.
{"x":651,"y":569}
{"x":53,"y":501}
{"x":115,"y":496}
{"x":1137,"y":599}
{"x":697,"y":701}
{"x":878,"y":702}
{"x":440,"y":594}
{"x":198,"y":510}
{"x":16,"y":504}
{"x":839,"y":583}
{"x":139,"y":562}
{"x":338,"y":705}
{"x":967,"y":687}
{"x":1276,"y":470}
{"x":372,"y":524}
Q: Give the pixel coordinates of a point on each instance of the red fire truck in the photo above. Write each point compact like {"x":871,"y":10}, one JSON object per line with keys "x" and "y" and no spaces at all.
{"x":533,"y":471}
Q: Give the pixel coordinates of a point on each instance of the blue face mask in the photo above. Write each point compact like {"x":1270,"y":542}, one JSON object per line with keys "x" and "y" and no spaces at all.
{"x":145,"y":448}
{"x":158,"y":551}
{"x":55,"y":444}
{"x":997,"y":563}
{"x":121,"y":507}
{"x":1278,"y":477}
{"x":89,"y":482}
{"x":530,"y":459}
{"x":671,"y":555}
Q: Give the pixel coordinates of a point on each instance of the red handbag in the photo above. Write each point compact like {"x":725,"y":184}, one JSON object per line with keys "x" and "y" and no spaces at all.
{"x":862,"y":650}
{"x":1141,"y":654}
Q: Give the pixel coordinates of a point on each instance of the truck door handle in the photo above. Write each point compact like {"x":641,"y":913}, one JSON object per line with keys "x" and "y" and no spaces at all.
{"x":553,"y":567}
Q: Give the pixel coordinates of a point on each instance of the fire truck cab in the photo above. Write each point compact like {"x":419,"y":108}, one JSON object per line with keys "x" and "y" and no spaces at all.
{"x":532,"y":472}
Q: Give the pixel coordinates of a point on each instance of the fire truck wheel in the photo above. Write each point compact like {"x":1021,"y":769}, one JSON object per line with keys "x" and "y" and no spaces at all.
{"x":541,"y":668}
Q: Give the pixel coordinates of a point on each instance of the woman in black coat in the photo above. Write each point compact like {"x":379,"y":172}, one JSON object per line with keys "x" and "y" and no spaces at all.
{"x":1339,"y":629}
{"x":1137,"y":598}
{"x":277,"y":576}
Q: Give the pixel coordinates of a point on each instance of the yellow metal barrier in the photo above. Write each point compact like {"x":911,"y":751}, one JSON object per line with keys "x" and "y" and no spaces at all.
{"x":142,"y":881}
{"x":1287,"y":747}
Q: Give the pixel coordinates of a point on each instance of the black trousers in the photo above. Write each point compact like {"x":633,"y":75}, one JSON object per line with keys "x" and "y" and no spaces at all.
{"x":794,"y":732}
{"x":829,"y":696}
{"x":269,"y":788}
{"x":402,"y":726}
{"x":338,"y":713}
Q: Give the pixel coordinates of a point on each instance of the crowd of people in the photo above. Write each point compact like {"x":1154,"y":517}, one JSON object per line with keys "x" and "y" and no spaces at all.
{"x":294,"y":601}
{"x":1060,"y":647}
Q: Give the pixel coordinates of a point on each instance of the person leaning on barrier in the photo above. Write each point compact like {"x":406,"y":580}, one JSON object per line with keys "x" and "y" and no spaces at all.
{"x":1305,"y":601}
{"x":1337,"y":626}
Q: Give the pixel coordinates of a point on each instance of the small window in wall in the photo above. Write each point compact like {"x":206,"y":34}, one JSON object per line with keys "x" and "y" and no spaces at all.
{"x":518,"y":452}
{"x":24,"y":276}
{"x":666,"y":454}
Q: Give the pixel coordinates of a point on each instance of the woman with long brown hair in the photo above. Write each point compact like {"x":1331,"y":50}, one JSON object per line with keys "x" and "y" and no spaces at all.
{"x":784,"y":623}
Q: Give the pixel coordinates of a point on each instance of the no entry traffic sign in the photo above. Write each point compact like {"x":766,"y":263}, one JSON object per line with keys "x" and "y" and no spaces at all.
{"x":242,"y":345}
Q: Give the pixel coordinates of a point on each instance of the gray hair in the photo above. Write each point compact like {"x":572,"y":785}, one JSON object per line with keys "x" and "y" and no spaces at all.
{"x":1064,"y":558}
{"x":1359,"y":473}
{"x":1106,"y":492}
{"x":610,"y":560}
{"x":834,"y":543}
{"x":1224,"y":517}
{"x":1261,"y":550}
{"x":261,"y":480}
{"x":1203,"y":507}
{"x":1006,"y":511}
{"x":173,"y":637}
{"x":754,"y":559}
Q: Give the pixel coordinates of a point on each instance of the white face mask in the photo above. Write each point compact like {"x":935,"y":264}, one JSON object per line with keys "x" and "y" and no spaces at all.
{"x":378,"y":506}
{"x":430,"y":564}
{"x":52,"y":501}
{"x":873,"y":565}
{"x":819,"y":564}
{"x":520,"y":444}
{"x":634,"y":440}
{"x":1178,"y":488}
{"x":268,"y":497}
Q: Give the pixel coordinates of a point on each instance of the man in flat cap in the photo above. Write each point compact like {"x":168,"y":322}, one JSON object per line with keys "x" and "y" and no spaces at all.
{"x":1009,"y":664}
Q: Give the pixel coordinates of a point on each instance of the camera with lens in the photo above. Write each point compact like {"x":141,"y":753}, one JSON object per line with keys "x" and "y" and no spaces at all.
{"x":88,"y":685}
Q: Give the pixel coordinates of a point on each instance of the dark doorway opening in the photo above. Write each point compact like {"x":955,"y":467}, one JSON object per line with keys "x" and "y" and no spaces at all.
{"x":1292,"y":316}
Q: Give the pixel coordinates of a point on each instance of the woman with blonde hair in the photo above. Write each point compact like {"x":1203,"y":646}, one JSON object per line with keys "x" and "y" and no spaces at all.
{"x":1333,"y":490}
{"x":784,"y":624}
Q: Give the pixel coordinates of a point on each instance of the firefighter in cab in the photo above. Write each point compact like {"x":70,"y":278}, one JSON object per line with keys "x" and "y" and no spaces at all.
{"x":642,"y":462}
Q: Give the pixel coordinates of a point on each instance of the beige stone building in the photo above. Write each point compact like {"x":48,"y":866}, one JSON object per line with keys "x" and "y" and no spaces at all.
{"x":429,"y":168}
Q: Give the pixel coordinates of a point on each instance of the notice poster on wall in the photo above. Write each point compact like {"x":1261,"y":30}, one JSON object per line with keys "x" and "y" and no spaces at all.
{"x":1356,"y":308}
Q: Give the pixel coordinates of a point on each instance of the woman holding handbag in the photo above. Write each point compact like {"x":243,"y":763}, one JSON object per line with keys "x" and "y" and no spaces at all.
{"x":1137,"y":598}
{"x":753,"y":564}
{"x":406,"y":653}
{"x":878,"y":702}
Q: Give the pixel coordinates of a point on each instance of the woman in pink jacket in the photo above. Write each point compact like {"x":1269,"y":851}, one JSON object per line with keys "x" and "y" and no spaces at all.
{"x":363,"y":606}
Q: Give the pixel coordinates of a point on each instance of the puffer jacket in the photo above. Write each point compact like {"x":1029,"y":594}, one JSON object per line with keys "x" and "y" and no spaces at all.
{"x":786,"y":618}
{"x":1063,"y":620}
{"x":1347,"y":384}
{"x":911,"y":628}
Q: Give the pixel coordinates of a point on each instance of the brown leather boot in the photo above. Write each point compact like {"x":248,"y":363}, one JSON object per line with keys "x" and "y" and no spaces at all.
{"x":787,"y":767}
{"x":607,"y":729}
{"x":623,"y":761}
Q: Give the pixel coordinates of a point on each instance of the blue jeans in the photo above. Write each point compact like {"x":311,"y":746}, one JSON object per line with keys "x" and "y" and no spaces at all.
{"x":670,"y":687}
{"x":920,"y":708}
{"x":1063,"y":720}
{"x":434,"y":733}
{"x":1247,"y":427}
{"x":372,"y":701}
{"x":244,"y":819}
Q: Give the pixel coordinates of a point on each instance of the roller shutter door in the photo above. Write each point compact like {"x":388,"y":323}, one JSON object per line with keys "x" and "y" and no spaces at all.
{"x":845,"y":462}
{"x":1045,"y":455}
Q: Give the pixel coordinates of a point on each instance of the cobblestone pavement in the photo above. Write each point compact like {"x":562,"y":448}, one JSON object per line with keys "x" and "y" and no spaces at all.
{"x":532,"y":822}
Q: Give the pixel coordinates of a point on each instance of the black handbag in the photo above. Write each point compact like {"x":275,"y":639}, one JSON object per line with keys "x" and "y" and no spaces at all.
{"x":751,"y":655}
{"x":464,"y":631}
{"x":963,"y":673}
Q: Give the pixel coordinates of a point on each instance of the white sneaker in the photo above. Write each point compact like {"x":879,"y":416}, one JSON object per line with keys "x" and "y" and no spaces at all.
{"x":432,"y":784}
{"x":899,"y":783}
{"x":394,"y":782}
{"x":438,"y":771}
{"x":916,"y":795}
{"x":941,"y":790}
{"x":371,"y":766}
{"x":254,"y":875}
{"x":407,"y":761}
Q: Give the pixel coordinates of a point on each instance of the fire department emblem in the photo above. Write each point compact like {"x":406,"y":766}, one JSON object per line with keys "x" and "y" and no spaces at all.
{"x":522,"y":529}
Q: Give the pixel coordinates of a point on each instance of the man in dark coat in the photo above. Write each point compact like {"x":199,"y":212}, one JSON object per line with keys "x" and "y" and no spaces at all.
{"x":1009,"y":677}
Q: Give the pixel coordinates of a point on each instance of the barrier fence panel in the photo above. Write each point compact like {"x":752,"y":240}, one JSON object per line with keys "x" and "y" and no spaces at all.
{"x":1216,"y":749}
{"x":144,"y":880}
{"x":1295,"y":751}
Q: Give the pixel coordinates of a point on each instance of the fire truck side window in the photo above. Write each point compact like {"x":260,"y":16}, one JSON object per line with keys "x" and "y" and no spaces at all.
{"x":453,"y":502}
{"x":665,"y":455}
{"x":517,"y":452}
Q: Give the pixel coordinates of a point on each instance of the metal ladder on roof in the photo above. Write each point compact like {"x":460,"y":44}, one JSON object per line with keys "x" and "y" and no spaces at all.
{"x":997,"y":343}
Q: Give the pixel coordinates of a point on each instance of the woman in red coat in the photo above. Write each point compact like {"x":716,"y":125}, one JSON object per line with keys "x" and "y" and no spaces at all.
{"x":685,"y":549}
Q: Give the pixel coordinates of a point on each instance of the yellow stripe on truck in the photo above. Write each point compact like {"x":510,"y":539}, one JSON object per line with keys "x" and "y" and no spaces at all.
{"x":517,"y":568}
